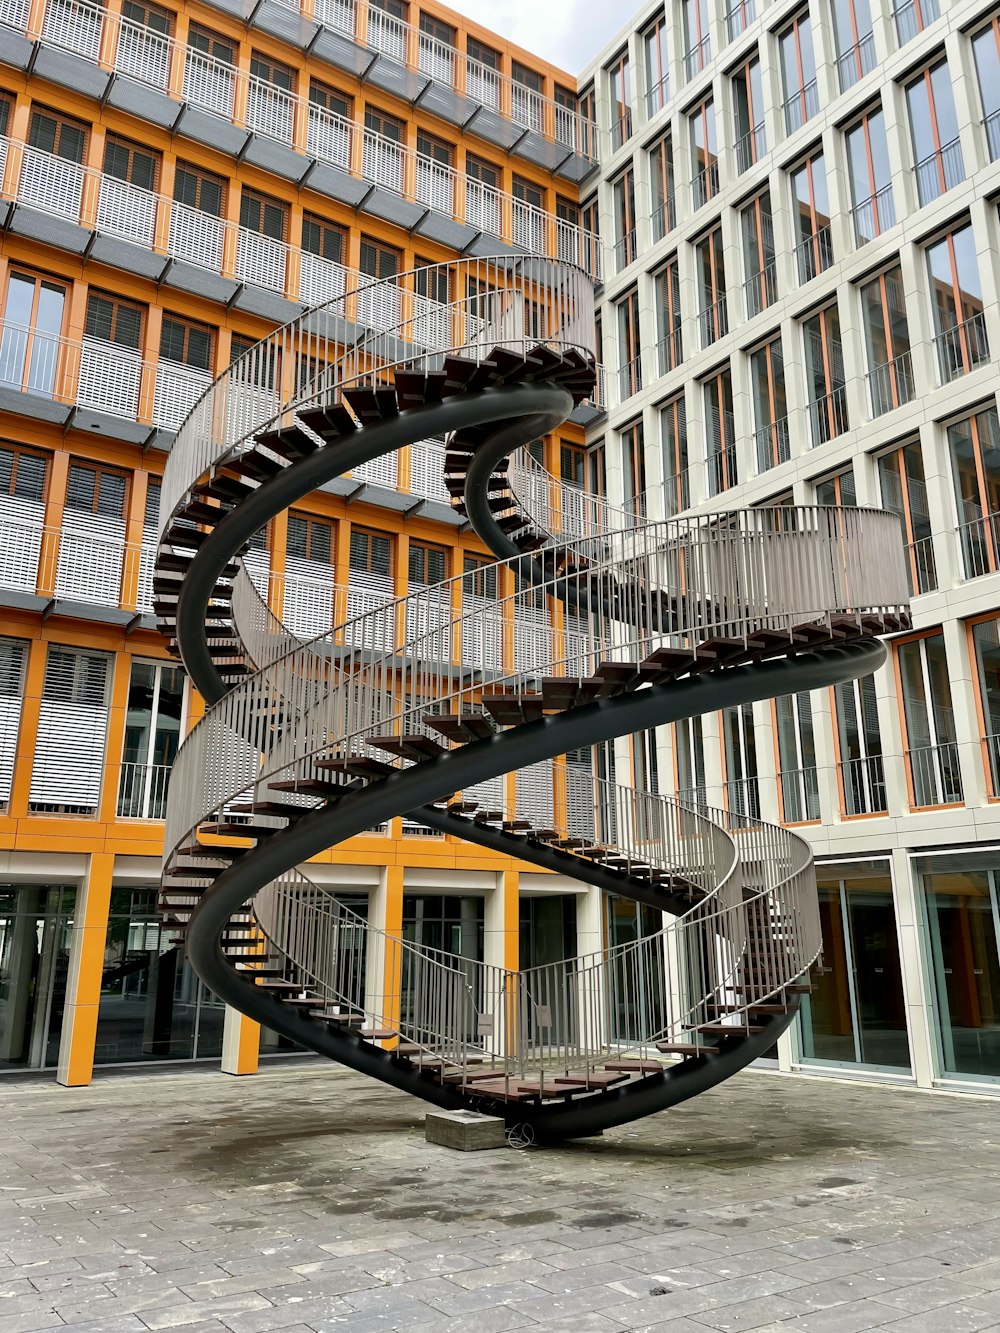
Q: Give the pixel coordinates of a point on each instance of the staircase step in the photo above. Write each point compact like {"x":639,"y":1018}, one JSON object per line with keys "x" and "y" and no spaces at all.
{"x":332,"y":422}
{"x":376,"y":1034}
{"x":363,"y":403}
{"x":234,"y":829}
{"x":634,"y":1066}
{"x":728,"y":1029}
{"x":685,"y":1048}
{"x":591,"y":1081}
{"x":290,"y":442}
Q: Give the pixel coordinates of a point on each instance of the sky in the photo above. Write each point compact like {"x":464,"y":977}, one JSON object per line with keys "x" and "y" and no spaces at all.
{"x":569,"y":33}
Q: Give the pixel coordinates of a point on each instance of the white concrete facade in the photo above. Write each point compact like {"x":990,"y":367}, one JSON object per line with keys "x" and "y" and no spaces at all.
{"x":907,"y":829}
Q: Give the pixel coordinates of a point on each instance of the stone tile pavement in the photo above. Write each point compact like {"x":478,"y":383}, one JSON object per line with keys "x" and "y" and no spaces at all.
{"x":305,"y":1200}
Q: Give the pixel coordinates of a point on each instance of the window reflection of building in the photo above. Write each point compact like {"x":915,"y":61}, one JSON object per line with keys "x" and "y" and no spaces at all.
{"x":856,"y":1013}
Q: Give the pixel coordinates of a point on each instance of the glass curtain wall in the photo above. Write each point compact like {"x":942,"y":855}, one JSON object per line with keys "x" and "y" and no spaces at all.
{"x":36,"y":924}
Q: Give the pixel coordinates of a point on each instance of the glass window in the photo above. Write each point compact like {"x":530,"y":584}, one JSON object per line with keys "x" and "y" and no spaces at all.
{"x":798,"y":73}
{"x":913,"y":16}
{"x":623,"y":192}
{"x":30,"y":339}
{"x":986,"y":51}
{"x":904,"y":491}
{"x":873,"y":211}
{"x":770,"y":408}
{"x":673,"y":437}
{"x":856,"y":1013}
{"x":887,"y":342}
{"x":937,"y":153}
{"x":261,"y":214}
{"x":152,"y":735}
{"x":859,"y":744}
{"x":957,"y":304}
{"x":713,"y":315}
{"x":974,"y":447}
{"x":825,"y":375}
{"x":629,"y":359}
{"x":932,"y":765}
{"x":667,"y":288}
{"x":131,"y":162}
{"x":720,"y":432}
{"x":57,"y":134}
{"x":962,"y":902}
{"x":852,"y":30}
{"x":634,"y":469}
{"x":760,"y":286}
{"x":837,"y":489}
{"x":657,"y":68}
{"x":36,"y":934}
{"x":199,"y":189}
{"x":748,"y":103}
{"x":704,"y":154}
{"x":697,"y":43}
{"x":811,"y":213}
{"x":619,"y":79}
{"x":661,"y":184}
{"x":689,"y":754}
{"x":187,"y":343}
{"x":985,"y":635}
{"x":799,"y":786}
{"x":742,"y":792}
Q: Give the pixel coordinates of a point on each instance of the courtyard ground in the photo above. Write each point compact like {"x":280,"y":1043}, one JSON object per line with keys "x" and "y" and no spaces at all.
{"x":306,"y":1199}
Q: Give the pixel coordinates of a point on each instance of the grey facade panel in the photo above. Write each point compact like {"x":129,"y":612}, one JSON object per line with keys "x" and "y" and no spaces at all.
{"x":146,"y":103}
{"x":22,"y":601}
{"x":534,"y":147}
{"x":205,"y":128}
{"x":576,"y":168}
{"x":337,"y":184}
{"x":38,"y":408}
{"x":281,"y":21}
{"x":389,"y":207}
{"x":395,"y":78}
{"x":109,"y":615}
{"x":437,"y":227}
{"x":276,"y":157}
{"x":200,"y":282}
{"x":493,"y":128}
{"x":446,"y":103}
{"x":132,"y":258}
{"x":585,"y":414}
{"x":71,"y":71}
{"x":49,"y":229}
{"x":339,"y":50}
{"x":107,"y":426}
{"x":492,"y":245}
{"x":269,"y":305}
{"x":15,"y":50}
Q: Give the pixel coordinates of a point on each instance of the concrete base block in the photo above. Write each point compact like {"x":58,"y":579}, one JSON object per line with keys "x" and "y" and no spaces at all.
{"x":468,"y":1131}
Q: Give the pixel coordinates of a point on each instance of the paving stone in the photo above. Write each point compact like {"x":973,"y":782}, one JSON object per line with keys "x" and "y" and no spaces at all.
{"x":746,"y":1315}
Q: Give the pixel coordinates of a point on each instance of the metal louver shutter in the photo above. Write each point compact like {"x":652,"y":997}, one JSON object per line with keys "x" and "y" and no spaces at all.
{"x":535,"y":794}
{"x":13,"y":657}
{"x":72,"y":733}
{"x":308,"y":603}
{"x":580,"y":811}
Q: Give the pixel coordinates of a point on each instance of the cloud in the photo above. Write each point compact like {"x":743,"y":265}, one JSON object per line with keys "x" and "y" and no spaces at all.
{"x":569,"y":33}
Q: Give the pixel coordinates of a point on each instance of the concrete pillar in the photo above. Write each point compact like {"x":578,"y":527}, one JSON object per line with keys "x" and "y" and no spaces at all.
{"x":86,"y":965}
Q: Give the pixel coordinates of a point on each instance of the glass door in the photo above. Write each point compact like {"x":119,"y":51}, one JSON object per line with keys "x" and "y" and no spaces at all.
{"x":638,"y":973}
{"x":32,"y":324}
{"x":36,"y":925}
{"x":856,"y":1014}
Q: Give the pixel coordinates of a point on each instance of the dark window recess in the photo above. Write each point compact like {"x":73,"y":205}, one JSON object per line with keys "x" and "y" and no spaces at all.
{"x":427,"y":564}
{"x":114,"y":321}
{"x":94,"y":490}
{"x":22,"y":474}
{"x":187,"y":343}
{"x":58,"y":135}
{"x":370,"y":553}
{"x":263,"y":215}
{"x":323,"y":238}
{"x":131,"y":162}
{"x":309,"y":539}
{"x":199,"y":189}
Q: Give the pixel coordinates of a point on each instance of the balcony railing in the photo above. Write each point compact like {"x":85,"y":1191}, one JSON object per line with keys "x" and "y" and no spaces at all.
{"x":799,"y":795}
{"x":670,"y":351}
{"x":697,"y":57}
{"x":962,"y":348}
{"x":743,"y":797}
{"x":79,"y":561}
{"x":720,"y":466}
{"x":863,"y":785}
{"x":890,"y":385}
{"x":992,"y":126}
{"x":705,"y":184}
{"x":658,"y":96}
{"x":814,"y":255}
{"x":935,"y":776}
{"x":676,"y":493}
{"x":751,"y":147}
{"x":857,"y":61}
{"x":142,"y":791}
{"x":664,"y":218}
{"x":979,"y":544}
{"x":828,"y":415}
{"x":912,"y":17}
{"x":713,"y":322}
{"x":625,"y":250}
{"x":739,"y":17}
{"x":772,"y":444}
{"x":760,"y":290}
{"x":599,"y":397}
{"x":149,"y":57}
{"x":695,"y":798}
{"x":874,"y":215}
{"x":629,"y":378}
{"x":941,"y":171}
{"x":801,"y":106}
{"x":921,"y":566}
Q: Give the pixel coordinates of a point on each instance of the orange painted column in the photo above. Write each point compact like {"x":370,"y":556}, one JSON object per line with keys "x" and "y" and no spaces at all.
{"x":86,"y":964}
{"x":240,"y":1043}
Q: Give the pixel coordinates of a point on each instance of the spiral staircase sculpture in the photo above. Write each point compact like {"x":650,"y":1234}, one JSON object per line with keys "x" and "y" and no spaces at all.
{"x":416,"y":708}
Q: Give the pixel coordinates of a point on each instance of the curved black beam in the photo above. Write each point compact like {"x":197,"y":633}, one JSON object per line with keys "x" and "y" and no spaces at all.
{"x":539,"y":406}
{"x":405,"y":789}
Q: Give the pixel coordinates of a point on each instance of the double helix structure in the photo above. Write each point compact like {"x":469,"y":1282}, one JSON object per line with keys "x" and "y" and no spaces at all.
{"x":421,"y":707}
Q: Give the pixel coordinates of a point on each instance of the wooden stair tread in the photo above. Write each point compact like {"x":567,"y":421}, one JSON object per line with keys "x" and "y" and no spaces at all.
{"x":685,"y":1048}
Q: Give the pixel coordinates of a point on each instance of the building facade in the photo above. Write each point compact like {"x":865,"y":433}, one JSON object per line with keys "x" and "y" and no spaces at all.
{"x":175,"y":182}
{"x":801,"y":252}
